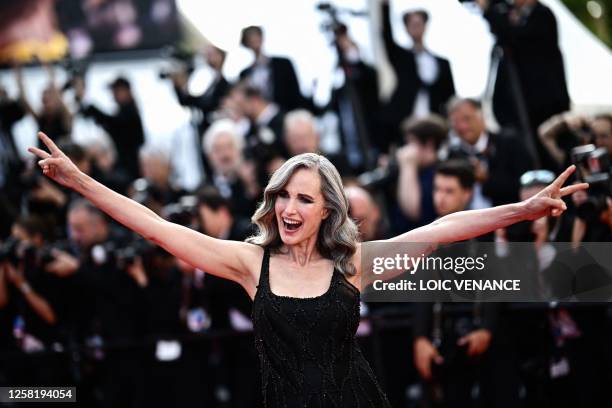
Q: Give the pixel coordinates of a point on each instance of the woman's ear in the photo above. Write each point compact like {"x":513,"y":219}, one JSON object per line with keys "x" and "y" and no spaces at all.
{"x":325,"y":213}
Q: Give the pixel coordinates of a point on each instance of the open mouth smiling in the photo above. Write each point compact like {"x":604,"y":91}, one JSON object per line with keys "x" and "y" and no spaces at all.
{"x":291,"y":225}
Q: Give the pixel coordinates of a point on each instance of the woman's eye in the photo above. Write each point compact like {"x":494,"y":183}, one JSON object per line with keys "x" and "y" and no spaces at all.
{"x":305,"y":200}
{"x":283,"y":194}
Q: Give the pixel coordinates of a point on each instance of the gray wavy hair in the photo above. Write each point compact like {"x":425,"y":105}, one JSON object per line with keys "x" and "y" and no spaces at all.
{"x":338,"y":233}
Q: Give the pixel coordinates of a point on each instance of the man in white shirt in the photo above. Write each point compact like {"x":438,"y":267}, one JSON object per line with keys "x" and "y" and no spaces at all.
{"x":499,"y":159}
{"x":275,"y":77}
{"x":424,"y":80}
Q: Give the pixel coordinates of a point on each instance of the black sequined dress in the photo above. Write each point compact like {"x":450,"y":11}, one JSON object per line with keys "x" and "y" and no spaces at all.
{"x":307,"y":349}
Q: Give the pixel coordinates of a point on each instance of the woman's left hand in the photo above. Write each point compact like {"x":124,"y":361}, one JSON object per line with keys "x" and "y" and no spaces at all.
{"x":548,"y":201}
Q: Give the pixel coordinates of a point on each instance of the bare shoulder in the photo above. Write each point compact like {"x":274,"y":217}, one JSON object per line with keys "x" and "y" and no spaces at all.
{"x":251,"y":256}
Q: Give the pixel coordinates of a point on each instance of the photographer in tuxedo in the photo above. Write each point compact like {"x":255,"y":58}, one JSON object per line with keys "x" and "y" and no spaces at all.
{"x":110,"y":298}
{"x":354,"y":100}
{"x":124,"y":126}
{"x":452,"y":340}
{"x":531,"y":67}
{"x":424,"y":80}
{"x":33,"y":292}
{"x":499,"y":159}
{"x":209,"y":101}
{"x":273,"y":76}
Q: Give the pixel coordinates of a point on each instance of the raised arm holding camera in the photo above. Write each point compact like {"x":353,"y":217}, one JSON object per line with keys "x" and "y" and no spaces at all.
{"x":124,"y":126}
{"x":54,"y":116}
{"x":424,"y":80}
{"x":209,"y":101}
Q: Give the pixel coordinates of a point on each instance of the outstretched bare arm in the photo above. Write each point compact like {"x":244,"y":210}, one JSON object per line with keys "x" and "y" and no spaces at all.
{"x":227,"y":259}
{"x":464,"y":225}
{"x":468,"y":224}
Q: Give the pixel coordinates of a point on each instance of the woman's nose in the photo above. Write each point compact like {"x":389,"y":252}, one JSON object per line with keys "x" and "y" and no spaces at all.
{"x":291,"y":206}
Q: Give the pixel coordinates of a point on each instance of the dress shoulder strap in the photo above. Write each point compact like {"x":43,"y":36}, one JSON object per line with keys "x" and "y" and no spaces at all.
{"x":265,"y":266}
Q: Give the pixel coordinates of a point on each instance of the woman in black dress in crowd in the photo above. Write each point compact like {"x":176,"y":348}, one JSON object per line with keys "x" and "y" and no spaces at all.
{"x":302,"y":270}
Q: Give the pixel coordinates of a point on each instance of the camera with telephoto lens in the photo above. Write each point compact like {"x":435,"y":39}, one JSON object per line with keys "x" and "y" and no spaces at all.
{"x":15,"y":251}
{"x":333,"y":24}
{"x":113,"y":253}
{"x":9,"y":252}
{"x":145,"y":192}
{"x":380,"y":177}
{"x":182,"y":212}
{"x":39,"y":257}
{"x":593,"y":165}
{"x":123,"y":256}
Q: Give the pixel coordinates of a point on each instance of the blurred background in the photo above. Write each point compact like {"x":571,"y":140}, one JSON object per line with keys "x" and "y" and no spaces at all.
{"x":425,"y":108}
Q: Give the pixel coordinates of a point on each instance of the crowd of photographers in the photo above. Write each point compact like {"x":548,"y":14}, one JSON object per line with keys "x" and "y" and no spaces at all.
{"x":85,"y":302}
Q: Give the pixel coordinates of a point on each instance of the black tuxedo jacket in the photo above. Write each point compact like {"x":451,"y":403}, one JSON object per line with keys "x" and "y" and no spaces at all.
{"x":533,"y":47}
{"x":209,"y":101}
{"x":286,"y":90}
{"x":507,"y":158}
{"x":409,"y":83}
{"x":364,"y":81}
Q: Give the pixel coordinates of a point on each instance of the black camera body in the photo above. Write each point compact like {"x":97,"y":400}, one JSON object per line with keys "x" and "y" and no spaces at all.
{"x":75,"y":69}
{"x":112,"y":253}
{"x":15,"y":252}
{"x":380,"y":177}
{"x":182,"y":212}
{"x":593,"y":165}
{"x":8,"y":251}
{"x":181,"y":58}
{"x":123,"y":256}
{"x":333,"y":24}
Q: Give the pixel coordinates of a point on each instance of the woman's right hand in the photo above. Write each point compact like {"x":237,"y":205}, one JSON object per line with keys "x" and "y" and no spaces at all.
{"x":56,"y":165}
